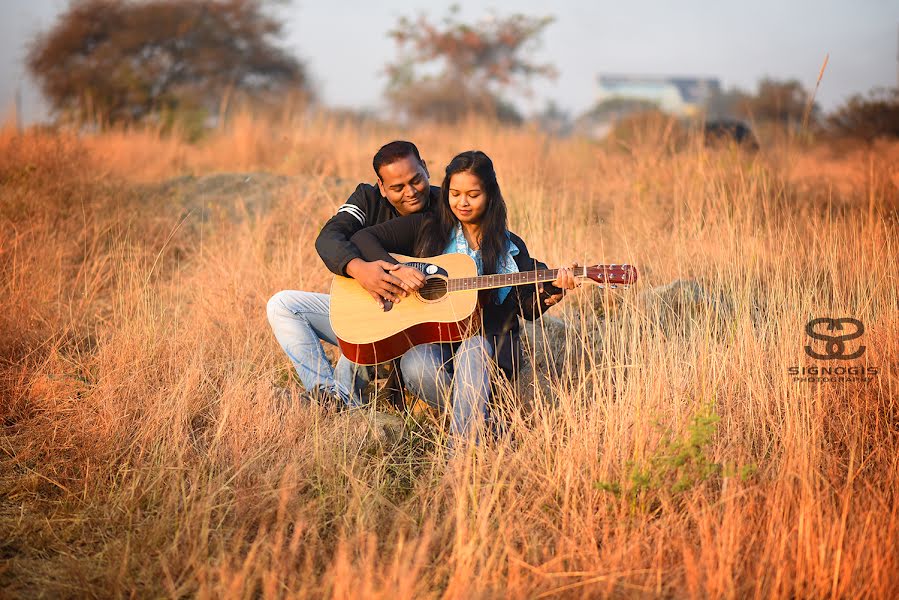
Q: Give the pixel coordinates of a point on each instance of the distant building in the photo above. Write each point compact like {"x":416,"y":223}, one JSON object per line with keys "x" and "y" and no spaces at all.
{"x":679,"y":96}
{"x":622,"y":95}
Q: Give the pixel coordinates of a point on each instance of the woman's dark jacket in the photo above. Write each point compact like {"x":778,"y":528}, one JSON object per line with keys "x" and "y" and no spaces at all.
{"x":501,"y":326}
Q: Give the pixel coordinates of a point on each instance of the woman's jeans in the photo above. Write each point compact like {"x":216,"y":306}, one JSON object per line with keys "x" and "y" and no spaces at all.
{"x":460,"y":373}
{"x":299,"y":320}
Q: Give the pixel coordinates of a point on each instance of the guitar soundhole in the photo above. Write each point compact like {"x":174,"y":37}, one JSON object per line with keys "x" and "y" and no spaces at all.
{"x":433,"y":290}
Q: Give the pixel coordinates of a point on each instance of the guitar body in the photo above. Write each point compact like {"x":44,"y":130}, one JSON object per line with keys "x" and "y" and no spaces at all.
{"x":369,"y":335}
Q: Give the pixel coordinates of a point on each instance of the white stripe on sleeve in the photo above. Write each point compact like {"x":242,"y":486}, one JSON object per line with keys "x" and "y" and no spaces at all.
{"x":353,"y":210}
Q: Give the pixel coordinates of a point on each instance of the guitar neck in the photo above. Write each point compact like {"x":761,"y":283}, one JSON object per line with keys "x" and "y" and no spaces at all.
{"x":486,"y":282}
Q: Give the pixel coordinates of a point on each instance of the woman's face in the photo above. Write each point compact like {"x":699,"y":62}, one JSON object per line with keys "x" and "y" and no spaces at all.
{"x":467,"y":199}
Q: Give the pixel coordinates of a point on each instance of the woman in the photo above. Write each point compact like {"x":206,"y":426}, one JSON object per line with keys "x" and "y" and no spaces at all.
{"x":470,"y":219}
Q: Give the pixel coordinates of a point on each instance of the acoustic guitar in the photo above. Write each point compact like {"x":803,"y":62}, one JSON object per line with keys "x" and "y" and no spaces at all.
{"x":444,"y":310}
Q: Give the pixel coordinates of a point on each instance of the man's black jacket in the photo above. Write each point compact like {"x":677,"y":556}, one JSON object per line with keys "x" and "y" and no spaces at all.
{"x":500,"y":320}
{"x":364,"y":208}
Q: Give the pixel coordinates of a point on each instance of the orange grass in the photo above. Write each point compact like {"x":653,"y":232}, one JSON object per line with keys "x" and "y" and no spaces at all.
{"x":144,"y":449}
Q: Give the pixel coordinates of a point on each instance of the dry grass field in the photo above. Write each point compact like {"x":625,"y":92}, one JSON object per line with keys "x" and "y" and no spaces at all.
{"x":146,"y":449}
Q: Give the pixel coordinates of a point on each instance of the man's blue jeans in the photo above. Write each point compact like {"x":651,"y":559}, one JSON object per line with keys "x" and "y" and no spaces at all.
{"x":299,"y":320}
{"x":457,"y":373}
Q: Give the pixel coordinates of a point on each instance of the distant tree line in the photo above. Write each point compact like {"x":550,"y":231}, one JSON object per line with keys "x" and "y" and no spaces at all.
{"x":867,"y":117}
{"x":788,"y":104}
{"x":124,"y":61}
{"x":782,"y":102}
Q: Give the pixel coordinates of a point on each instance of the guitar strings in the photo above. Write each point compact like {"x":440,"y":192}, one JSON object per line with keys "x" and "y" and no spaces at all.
{"x":439,"y":284}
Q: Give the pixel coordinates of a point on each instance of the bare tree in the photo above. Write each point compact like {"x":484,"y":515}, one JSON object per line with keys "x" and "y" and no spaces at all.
{"x":448,"y":70}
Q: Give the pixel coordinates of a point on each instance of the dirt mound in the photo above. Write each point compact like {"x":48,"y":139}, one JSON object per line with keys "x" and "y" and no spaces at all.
{"x":233,"y":194}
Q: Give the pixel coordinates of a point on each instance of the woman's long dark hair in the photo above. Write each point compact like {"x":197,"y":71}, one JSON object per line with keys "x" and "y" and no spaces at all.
{"x":437,"y":229}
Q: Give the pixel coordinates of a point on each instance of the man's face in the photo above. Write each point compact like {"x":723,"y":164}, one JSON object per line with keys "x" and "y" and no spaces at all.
{"x":405,"y":185}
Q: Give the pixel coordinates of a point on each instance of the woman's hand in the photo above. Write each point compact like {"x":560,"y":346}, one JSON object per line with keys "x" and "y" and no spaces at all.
{"x":565,"y":281}
{"x":411,"y":279}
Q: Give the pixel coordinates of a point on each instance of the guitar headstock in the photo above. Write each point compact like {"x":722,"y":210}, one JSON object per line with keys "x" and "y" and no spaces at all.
{"x":612,"y":276}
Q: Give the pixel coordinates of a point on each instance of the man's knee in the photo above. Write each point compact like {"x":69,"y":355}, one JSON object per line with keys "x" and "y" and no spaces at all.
{"x":478,"y":345}
{"x":418,"y":366}
{"x":275,"y":307}
{"x":412,"y":367}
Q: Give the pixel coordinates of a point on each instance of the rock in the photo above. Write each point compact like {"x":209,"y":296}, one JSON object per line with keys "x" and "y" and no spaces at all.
{"x":552,"y":345}
{"x":675,"y":306}
{"x":544,"y":342}
{"x":381,"y":429}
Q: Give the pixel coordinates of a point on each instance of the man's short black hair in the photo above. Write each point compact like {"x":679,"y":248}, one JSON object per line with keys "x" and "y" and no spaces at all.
{"x":392,"y":152}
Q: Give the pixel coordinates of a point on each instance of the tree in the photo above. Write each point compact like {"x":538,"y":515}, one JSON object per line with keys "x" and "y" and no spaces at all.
{"x":868,"y":118}
{"x":448,"y":71}
{"x":727,"y":104}
{"x":126,"y":60}
{"x":780,"y":102}
{"x":553,"y":119}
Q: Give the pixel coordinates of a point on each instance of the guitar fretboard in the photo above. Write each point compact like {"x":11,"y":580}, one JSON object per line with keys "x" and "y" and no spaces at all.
{"x":486,"y":282}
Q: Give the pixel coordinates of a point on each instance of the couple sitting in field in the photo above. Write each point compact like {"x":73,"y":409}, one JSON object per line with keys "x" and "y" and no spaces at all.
{"x":404,"y":214}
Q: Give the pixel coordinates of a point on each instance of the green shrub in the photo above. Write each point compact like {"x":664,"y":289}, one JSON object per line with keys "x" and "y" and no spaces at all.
{"x":678,"y":465}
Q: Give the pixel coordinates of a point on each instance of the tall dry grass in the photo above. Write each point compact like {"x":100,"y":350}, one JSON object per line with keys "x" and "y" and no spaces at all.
{"x":145,"y":450}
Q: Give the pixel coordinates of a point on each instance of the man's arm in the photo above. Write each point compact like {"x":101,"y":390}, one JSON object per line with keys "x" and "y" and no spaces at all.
{"x":397,"y":235}
{"x":333,"y":241}
{"x":342,"y":257}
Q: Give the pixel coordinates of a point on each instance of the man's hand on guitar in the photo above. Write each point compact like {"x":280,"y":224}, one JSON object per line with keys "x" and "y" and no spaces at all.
{"x":565,"y":281}
{"x":412,"y":279}
{"x":378,"y":278}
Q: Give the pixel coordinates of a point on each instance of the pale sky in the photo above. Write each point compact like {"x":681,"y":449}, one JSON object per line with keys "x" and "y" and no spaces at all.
{"x":345,"y":45}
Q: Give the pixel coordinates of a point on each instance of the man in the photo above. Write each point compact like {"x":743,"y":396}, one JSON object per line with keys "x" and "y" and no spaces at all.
{"x":300,"y":319}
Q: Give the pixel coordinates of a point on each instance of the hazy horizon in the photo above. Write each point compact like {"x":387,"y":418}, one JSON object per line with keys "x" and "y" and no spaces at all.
{"x":345,"y":46}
